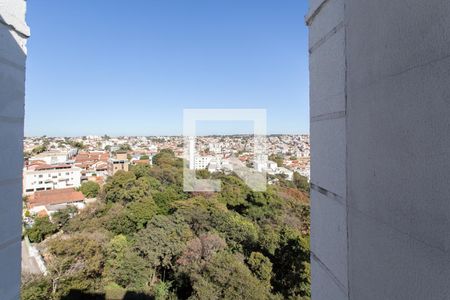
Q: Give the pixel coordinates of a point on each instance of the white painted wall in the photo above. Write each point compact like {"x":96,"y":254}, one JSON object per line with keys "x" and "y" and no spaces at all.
{"x":13,"y":36}
{"x":52,"y":179}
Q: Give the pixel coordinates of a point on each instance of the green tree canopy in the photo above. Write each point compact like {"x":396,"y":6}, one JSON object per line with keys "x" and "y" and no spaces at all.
{"x":227,"y":277}
{"x":90,"y":189}
{"x":124,"y":266}
{"x":41,"y":228}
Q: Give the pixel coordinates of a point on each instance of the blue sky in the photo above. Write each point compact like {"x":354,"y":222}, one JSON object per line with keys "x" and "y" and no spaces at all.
{"x":131,"y":67}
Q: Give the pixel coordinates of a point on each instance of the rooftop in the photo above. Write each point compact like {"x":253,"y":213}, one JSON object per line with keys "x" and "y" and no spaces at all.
{"x":54,"y":197}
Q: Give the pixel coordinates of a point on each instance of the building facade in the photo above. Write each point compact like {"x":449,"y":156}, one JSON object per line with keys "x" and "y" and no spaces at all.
{"x":50,"y":177}
{"x":202,"y":162}
{"x":118,"y":163}
{"x":380,"y":149}
{"x":14,"y":33}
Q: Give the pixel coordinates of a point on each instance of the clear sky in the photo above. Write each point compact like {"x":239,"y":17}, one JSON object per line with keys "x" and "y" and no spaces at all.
{"x":131,"y":67}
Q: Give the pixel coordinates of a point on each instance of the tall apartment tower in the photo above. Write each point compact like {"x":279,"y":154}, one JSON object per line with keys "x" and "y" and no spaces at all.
{"x":13,"y":36}
{"x":380,"y":140}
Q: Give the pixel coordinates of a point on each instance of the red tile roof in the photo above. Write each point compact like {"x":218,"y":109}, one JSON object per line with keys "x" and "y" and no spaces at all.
{"x":93,"y":157}
{"x":53,"y":197}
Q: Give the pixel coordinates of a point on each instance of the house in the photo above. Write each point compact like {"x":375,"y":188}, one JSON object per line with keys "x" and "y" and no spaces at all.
{"x":53,"y":200}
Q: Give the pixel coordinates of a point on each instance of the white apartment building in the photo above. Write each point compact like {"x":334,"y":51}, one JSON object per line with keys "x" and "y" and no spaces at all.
{"x":202,"y":162}
{"x":50,"y":177}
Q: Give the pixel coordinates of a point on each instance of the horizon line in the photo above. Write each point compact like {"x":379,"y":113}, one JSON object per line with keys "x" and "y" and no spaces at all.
{"x":161,"y":135}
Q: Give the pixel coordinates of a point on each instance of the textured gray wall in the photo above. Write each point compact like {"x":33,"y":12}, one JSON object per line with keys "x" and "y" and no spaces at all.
{"x":328,"y":143}
{"x":380,"y":134}
{"x":13,"y":36}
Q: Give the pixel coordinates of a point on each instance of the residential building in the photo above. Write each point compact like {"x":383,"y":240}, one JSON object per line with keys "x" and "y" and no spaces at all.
{"x":202,"y":162}
{"x":118,"y":163}
{"x":53,"y":157}
{"x":50,"y":177}
{"x":54,"y":200}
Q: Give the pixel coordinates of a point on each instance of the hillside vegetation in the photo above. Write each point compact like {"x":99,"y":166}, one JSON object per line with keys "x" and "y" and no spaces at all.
{"x":147,"y":237}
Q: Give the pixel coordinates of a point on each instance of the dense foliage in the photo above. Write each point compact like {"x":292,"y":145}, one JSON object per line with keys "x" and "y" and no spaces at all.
{"x":90,"y":189}
{"x":42,"y":228}
{"x":145,"y":235}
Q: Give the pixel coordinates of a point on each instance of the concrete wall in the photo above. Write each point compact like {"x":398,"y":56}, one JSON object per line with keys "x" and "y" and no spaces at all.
{"x":328,"y":150}
{"x":380,"y":135}
{"x":13,"y":35}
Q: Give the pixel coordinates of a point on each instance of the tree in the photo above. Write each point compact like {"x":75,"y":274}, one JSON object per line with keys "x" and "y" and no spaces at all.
{"x":124,"y":187}
{"x":62,"y":217}
{"x":166,"y":157}
{"x":118,"y":221}
{"x":240,"y":233}
{"x":142,"y":211}
{"x":90,"y":189}
{"x":201,"y":249}
{"x":39,"y":149}
{"x":38,"y":288}
{"x":141,"y":171}
{"x":162,"y":290}
{"x":261,"y":266}
{"x":41,"y":229}
{"x":164,"y":200}
{"x":124,"y":266}
{"x":227,"y":277}
{"x":197,"y":213}
{"x":301,"y":182}
{"x":125,"y":147}
{"x":162,"y":241}
{"x":79,"y":145}
{"x":234,"y":193}
{"x":144,"y":157}
{"x":291,"y":265}
{"x":74,"y":262}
